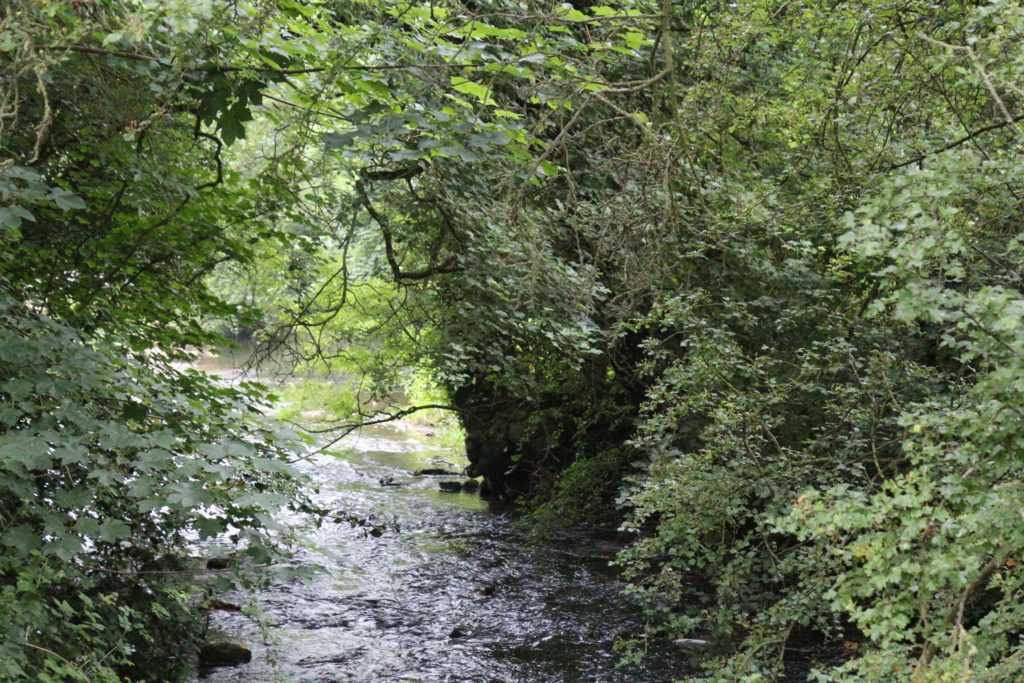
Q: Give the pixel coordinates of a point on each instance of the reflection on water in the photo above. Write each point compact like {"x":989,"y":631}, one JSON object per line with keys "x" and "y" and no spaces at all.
{"x":454,"y":595}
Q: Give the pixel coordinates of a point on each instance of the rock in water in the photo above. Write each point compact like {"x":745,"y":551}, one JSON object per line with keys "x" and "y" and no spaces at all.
{"x":471,"y":486}
{"x":223,"y":653}
{"x":690,"y":642}
{"x":433,"y":472}
{"x":215,"y":604}
{"x":217,"y":563}
{"x":450,"y":486}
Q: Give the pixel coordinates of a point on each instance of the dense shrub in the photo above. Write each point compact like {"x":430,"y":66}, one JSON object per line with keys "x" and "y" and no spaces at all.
{"x":112,"y":474}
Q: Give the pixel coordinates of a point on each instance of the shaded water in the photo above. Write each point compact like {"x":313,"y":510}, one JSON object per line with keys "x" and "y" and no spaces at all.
{"x":456,"y":594}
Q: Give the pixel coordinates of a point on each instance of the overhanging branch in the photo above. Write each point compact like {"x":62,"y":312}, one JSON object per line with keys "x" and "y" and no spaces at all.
{"x":449,"y":265}
{"x":956,"y":143}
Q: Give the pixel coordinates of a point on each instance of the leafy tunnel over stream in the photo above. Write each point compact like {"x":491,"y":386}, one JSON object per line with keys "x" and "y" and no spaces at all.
{"x":738,"y":283}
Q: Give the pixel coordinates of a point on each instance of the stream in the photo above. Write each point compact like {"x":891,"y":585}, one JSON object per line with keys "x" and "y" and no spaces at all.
{"x":456,"y":593}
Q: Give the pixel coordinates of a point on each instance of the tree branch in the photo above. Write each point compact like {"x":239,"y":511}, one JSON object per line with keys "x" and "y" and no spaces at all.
{"x":450,"y":265}
{"x":216,"y":155}
{"x":956,"y":143}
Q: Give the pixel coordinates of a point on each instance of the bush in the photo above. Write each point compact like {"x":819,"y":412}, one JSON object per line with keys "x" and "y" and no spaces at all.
{"x":111,"y":473}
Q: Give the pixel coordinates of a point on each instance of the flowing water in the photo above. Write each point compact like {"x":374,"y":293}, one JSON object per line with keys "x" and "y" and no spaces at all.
{"x":456,"y":593}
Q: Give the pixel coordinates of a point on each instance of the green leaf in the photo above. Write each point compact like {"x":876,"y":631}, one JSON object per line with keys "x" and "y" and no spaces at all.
{"x":477,"y":90}
{"x":11,"y":217}
{"x":341,"y":140}
{"x":21,"y":538}
{"x":66,"y":200}
{"x":114,"y":530}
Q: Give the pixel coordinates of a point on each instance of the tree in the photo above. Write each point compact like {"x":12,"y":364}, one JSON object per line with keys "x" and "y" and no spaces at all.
{"x":115,"y":461}
{"x":742,"y":277}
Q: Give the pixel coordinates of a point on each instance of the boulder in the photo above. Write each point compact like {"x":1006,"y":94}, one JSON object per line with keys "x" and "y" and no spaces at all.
{"x":450,"y":486}
{"x":223,"y":653}
{"x":217,"y":563}
{"x":471,"y":486}
{"x":433,"y":472}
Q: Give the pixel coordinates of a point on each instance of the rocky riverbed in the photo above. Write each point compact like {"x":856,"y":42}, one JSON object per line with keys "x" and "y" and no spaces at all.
{"x":449,"y":591}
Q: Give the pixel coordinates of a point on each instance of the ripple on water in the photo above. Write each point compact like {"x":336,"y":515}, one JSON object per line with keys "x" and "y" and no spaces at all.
{"x":456,"y":595}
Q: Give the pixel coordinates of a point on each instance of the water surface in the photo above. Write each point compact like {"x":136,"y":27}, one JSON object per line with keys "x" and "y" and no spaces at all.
{"x":449,"y":592}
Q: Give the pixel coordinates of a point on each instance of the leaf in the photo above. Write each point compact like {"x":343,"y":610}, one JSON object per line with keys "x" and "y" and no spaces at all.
{"x":114,"y":530}
{"x":11,"y":217}
{"x":458,"y":152}
{"x":497,"y":138}
{"x":533,"y":58}
{"x":231,"y":123}
{"x":477,"y":90}
{"x":546,"y":168}
{"x":22,"y":538}
{"x":568,"y":12}
{"x":340,"y":140}
{"x":634,"y":40}
{"x":29,"y":450}
{"x":66,"y":200}
{"x":65,"y":547}
{"x":210,"y":527}
{"x":404,"y":155}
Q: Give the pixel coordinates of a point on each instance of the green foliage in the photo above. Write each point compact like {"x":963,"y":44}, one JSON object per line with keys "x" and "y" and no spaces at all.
{"x":742,"y":276}
{"x":116,"y":465}
{"x":110,"y":475}
{"x":830,"y":426}
{"x":761,"y":259}
{"x":937,"y":544}
{"x":422,"y":389}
